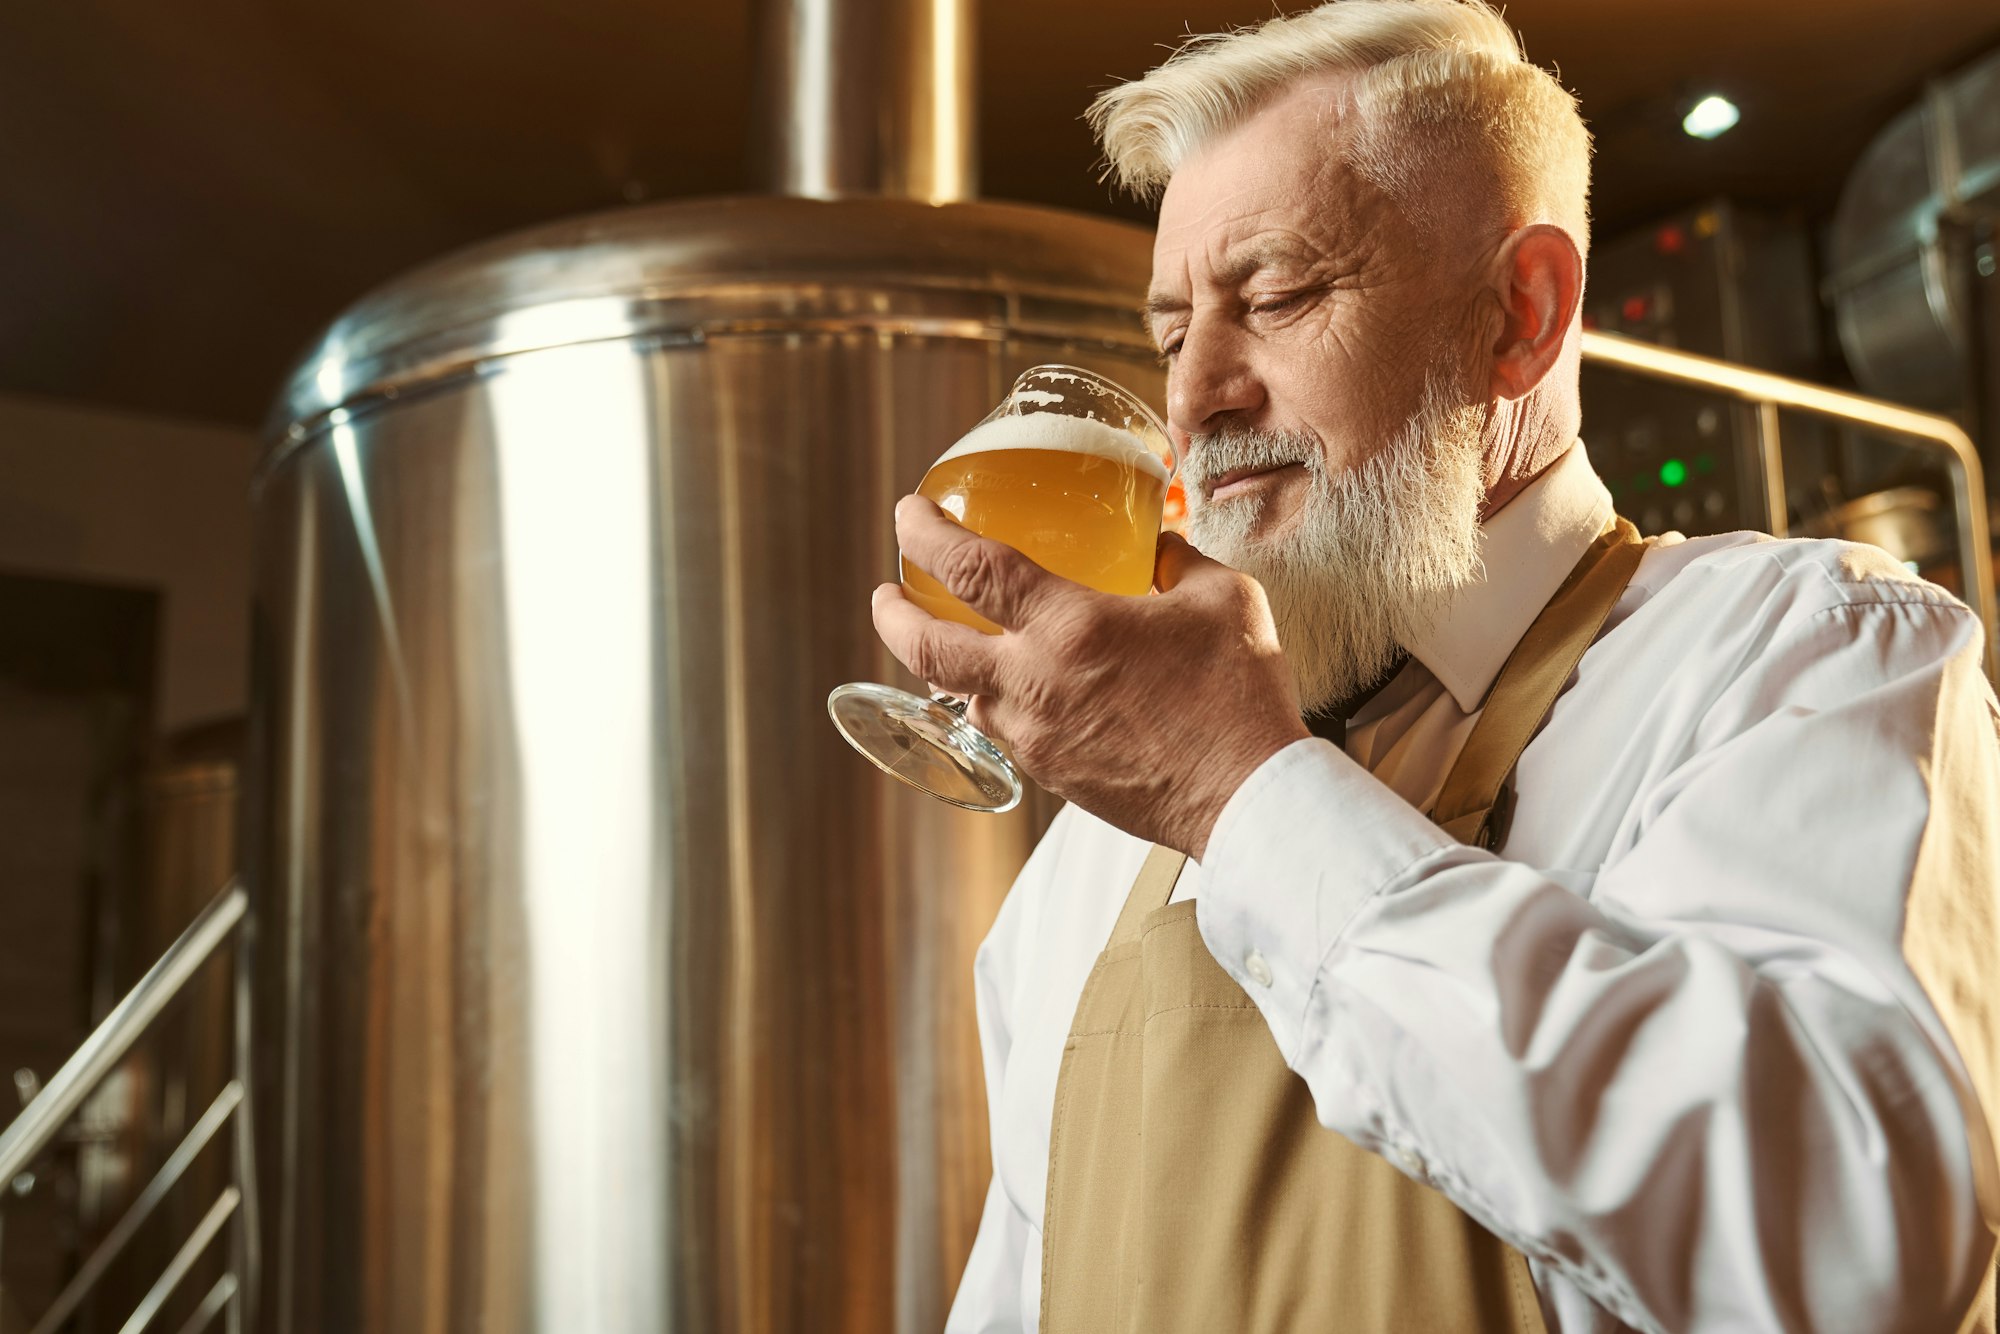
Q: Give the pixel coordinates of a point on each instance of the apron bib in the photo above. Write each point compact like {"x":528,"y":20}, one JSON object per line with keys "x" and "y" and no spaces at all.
{"x":1191,"y":1186}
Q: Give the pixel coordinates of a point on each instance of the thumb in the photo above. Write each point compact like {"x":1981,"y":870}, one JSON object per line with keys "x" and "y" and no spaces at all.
{"x":1177,"y":561}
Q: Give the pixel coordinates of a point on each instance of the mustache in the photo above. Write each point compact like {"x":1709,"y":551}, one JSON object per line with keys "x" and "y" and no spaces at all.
{"x":1235,"y":449}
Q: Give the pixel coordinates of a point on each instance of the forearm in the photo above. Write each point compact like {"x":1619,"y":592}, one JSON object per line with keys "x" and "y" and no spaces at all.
{"x":1700,"y":1123}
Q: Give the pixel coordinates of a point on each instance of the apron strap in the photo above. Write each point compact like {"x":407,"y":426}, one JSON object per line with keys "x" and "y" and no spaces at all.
{"x":1153,"y":888}
{"x":1477,"y":798}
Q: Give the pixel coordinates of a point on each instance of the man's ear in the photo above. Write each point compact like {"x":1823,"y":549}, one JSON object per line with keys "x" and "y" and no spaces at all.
{"x":1539,"y":281}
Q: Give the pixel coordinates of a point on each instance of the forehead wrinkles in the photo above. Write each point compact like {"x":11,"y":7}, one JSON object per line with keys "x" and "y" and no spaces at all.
{"x":1229,"y":256}
{"x":1245,"y":227}
{"x":1184,"y":231}
{"x":1302,"y":203}
{"x":1205,"y":240}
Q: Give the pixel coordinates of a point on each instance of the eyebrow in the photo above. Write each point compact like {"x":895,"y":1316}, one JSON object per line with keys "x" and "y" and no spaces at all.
{"x":1238,"y":269}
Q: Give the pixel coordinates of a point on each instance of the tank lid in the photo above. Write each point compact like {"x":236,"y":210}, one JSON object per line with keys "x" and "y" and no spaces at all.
{"x":690,"y":271}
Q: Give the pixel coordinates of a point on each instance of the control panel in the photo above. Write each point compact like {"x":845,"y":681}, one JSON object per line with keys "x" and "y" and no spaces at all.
{"x":1715,"y":280}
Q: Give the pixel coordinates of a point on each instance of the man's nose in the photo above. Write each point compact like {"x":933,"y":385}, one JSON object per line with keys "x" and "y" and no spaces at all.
{"x":1210,"y":382}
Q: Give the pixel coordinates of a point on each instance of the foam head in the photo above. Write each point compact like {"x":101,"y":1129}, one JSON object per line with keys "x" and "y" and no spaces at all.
{"x":1069,"y":435}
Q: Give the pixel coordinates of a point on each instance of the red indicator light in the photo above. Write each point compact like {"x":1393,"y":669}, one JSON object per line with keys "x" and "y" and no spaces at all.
{"x":1670,"y":239}
{"x":1634,"y":309}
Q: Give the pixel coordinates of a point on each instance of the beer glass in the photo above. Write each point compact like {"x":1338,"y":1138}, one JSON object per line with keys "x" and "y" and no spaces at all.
{"x":1070,"y":470}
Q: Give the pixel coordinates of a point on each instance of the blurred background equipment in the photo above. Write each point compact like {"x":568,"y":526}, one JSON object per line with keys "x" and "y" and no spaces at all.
{"x":1912,"y":269}
{"x":76,"y":716}
{"x":131,"y":1163}
{"x":597,"y":988}
{"x":1722,"y":281}
{"x":1910,"y":289}
{"x":1937,"y":442}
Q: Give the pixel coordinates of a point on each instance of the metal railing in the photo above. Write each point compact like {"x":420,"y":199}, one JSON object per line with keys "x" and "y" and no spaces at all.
{"x":1941,"y":437}
{"x":39,"y":1124}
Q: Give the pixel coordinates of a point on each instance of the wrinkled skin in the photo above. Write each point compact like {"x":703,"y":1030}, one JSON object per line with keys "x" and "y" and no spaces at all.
{"x":1288,"y":293}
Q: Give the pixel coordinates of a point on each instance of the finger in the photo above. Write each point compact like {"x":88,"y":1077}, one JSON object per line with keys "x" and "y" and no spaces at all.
{"x":1176,"y":561}
{"x":990,"y":577}
{"x":949,"y":657}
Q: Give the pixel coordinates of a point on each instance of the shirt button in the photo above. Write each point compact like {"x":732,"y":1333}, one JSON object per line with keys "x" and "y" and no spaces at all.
{"x":1260,"y":972}
{"x":1411,"y":1162}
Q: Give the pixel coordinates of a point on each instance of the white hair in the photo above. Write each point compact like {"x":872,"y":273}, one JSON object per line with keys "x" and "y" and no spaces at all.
{"x":1431,"y":80}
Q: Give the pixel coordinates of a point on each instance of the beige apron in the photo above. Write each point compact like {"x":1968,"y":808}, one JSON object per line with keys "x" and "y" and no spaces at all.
{"x":1191,"y":1187}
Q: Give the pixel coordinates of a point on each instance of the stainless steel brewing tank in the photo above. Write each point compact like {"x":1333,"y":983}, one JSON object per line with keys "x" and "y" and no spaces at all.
{"x":1903,"y":243}
{"x":601,"y":988}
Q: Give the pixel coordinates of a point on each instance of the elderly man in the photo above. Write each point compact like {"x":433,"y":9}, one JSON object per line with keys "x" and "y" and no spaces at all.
{"x":1544,"y":928}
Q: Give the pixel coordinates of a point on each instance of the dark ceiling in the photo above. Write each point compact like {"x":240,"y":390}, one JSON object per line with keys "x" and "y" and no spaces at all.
{"x":187,"y":192}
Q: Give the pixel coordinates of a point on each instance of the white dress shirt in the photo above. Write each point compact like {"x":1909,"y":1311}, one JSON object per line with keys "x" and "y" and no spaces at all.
{"x":1707,"y":1040}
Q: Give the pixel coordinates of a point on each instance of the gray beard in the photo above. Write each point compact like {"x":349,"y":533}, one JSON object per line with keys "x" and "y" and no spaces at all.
{"x":1375,"y":556}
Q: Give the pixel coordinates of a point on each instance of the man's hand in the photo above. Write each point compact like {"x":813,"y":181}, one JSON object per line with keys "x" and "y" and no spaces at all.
{"x":1147,"y":712}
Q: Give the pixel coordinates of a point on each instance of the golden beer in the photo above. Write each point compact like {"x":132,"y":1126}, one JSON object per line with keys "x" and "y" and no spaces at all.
{"x":1080,"y":498}
{"x":1070,"y":470}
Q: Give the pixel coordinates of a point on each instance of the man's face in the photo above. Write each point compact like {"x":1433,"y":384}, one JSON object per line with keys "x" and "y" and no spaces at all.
{"x":1291,"y":297}
{"x":1321,"y":356}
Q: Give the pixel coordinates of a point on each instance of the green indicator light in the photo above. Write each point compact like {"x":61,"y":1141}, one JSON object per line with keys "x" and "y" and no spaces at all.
{"x":1673,"y":472}
{"x":1704,"y":464}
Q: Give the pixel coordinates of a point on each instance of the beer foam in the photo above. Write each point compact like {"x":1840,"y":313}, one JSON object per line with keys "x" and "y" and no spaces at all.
{"x":1067,"y":435}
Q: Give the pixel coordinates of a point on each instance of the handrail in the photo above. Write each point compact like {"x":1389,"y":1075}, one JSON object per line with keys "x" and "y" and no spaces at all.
{"x":1937,"y":435}
{"x":121,"y":1233}
{"x":184,"y":1259}
{"x":45,"y":1115}
{"x":218,"y":1297}
{"x":40,"y":1121}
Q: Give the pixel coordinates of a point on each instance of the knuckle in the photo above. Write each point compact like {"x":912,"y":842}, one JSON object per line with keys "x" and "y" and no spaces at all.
{"x":1244,"y":599}
{"x":975,"y":571}
{"x":1038,"y":701}
{"x":1091,"y":636}
{"x":925,"y":658}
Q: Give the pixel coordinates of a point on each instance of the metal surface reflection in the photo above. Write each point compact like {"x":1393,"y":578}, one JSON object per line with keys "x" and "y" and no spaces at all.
{"x":616,"y":994}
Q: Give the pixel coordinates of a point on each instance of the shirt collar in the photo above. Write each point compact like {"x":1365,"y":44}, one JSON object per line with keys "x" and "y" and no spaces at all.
{"x":1527,"y":549}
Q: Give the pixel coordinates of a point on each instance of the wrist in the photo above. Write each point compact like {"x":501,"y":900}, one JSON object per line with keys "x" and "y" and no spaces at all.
{"x":1228,"y":769}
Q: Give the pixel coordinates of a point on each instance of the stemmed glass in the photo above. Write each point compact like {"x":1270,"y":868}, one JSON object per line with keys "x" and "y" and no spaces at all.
{"x":1072,"y":471}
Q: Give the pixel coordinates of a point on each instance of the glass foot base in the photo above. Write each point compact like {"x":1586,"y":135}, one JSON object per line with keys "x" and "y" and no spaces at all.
{"x":927,"y":745}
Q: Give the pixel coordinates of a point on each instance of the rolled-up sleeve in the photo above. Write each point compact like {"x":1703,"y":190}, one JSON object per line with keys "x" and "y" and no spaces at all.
{"x":1736,"y":1080}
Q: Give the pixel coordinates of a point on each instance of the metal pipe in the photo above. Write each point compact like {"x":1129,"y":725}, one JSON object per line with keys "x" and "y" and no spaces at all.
{"x":218,"y":1298}
{"x":1771,"y":470}
{"x":1936,"y":435}
{"x":134,"y":1218}
{"x":866,"y":98}
{"x":177,"y":1269}
{"x":40,"y":1121}
{"x":245,"y":1245}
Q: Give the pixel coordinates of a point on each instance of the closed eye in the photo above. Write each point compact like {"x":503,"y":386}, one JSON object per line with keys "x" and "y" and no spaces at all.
{"x":1277,"y":304}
